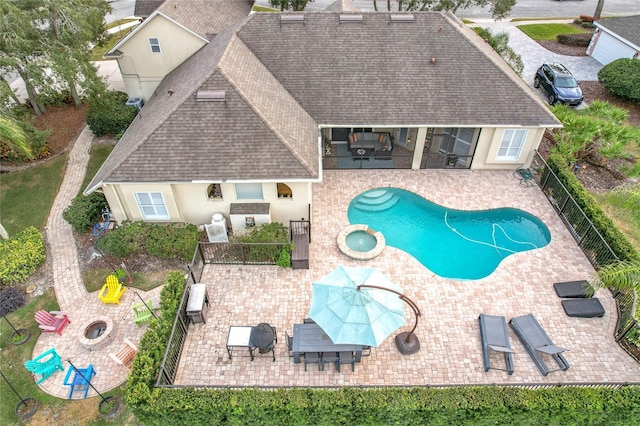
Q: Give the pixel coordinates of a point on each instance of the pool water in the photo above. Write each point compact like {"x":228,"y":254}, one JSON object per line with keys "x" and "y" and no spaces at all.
{"x":361,"y":241}
{"x":457,"y":244}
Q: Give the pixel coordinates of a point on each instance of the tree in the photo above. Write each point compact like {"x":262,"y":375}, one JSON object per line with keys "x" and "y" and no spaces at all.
{"x":295,"y":5}
{"x":499,"y":8}
{"x":598,"y":12}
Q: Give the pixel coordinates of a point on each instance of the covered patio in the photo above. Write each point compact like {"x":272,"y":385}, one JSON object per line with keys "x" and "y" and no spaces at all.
{"x":451,"y":352}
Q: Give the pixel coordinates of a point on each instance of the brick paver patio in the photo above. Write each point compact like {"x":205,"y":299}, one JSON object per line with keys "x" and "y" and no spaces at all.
{"x":448,"y":329}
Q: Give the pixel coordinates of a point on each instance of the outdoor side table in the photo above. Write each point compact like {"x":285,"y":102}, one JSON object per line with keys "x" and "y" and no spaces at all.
{"x":239,"y":337}
{"x":198,"y":303}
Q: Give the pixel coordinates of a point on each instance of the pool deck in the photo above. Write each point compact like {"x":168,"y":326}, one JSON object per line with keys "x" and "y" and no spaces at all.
{"x":448,"y":328}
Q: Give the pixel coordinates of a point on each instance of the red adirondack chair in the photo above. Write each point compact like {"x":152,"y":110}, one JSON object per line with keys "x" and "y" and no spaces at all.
{"x":52,"y":321}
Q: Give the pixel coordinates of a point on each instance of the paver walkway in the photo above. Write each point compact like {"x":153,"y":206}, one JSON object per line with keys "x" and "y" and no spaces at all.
{"x":82,"y":307}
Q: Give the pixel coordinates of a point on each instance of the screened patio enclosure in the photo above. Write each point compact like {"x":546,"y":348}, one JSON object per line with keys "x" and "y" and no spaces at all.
{"x":398,"y":148}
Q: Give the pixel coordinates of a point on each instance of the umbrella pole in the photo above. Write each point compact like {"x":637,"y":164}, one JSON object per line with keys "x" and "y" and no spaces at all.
{"x":406,"y":342}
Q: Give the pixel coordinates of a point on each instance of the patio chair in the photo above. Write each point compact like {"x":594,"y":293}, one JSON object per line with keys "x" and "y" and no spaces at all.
{"x":573,"y":289}
{"x":330,"y":358}
{"x":112,"y":290}
{"x":80,"y":380}
{"x":126,"y":354}
{"x":44,"y":365}
{"x":312,"y":358}
{"x":54,"y":321}
{"x":537,"y":343}
{"x":583,"y":308}
{"x":525,"y":176}
{"x":346,"y":357}
{"x":289,"y":341}
{"x":493,"y":333}
{"x":142,"y":313}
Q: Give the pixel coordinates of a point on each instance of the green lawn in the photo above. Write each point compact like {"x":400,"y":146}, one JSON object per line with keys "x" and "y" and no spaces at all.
{"x":549,"y":31}
{"x":99,"y":153}
{"x":27,"y":195}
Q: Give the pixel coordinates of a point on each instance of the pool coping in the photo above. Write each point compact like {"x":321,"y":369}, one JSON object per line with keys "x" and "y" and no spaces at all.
{"x":360,"y":255}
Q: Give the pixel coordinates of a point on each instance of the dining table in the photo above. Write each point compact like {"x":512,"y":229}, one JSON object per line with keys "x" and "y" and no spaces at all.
{"x":310,"y":337}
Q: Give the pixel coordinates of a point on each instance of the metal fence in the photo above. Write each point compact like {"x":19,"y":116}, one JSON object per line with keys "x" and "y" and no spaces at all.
{"x":593,"y":245}
{"x":241,"y":253}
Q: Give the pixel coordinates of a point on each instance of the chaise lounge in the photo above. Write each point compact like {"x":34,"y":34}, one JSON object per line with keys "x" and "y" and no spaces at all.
{"x":537,"y":343}
{"x":493,"y":333}
{"x":573,"y":289}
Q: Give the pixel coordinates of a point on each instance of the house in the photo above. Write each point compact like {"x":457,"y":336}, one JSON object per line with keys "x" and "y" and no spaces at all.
{"x":615,"y":38}
{"x":174,"y":30}
{"x":239,"y":128}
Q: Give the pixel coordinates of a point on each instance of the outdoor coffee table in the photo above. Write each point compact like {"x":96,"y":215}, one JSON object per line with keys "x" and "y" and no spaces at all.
{"x":239,"y":337}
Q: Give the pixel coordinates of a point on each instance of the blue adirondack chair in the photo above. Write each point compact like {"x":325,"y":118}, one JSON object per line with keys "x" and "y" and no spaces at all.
{"x":44,"y":365}
{"x":78,"y":379}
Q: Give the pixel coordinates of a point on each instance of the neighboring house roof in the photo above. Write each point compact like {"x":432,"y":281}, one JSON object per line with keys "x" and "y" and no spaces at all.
{"x":144,"y":8}
{"x":283,"y":80}
{"x":626,"y":27}
{"x":206,"y":17}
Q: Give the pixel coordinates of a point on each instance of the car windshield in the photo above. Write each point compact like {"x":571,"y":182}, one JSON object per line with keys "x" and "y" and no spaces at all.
{"x":566,"y":82}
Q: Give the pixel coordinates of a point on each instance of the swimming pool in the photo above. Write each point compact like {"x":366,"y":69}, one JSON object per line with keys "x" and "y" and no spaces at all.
{"x":457,"y":244}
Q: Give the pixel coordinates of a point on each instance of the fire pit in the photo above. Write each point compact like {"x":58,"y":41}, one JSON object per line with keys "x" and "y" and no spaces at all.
{"x":97,"y":333}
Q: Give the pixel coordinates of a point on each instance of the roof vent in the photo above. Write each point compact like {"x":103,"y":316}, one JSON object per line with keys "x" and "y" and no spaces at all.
{"x":350,"y":18}
{"x":289,"y":18}
{"x":403,"y":18}
{"x":210,"y":96}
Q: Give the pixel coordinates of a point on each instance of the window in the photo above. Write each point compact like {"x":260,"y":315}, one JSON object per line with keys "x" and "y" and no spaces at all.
{"x":249,"y":191}
{"x":214,"y":191}
{"x":152,"y":205}
{"x":155,"y":44}
{"x":284,"y":191}
{"x":511,"y":145}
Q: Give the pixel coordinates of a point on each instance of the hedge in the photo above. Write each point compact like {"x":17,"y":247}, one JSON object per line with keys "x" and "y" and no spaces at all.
{"x":479,"y":405}
{"x":21,"y":255}
{"x":622,"y":78}
{"x":605,"y":226}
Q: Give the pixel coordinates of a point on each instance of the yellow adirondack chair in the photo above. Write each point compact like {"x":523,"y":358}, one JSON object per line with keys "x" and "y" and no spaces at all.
{"x":112,"y":290}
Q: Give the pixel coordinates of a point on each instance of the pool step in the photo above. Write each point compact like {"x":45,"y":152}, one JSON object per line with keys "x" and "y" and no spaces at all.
{"x":376,"y":201}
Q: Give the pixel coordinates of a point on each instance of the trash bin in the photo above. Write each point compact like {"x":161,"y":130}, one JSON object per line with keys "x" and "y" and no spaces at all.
{"x":198,"y":304}
{"x":136,"y":102}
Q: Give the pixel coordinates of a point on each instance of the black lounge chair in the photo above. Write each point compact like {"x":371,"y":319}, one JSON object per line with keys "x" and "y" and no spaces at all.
{"x":493,"y":332}
{"x":583,"y":308}
{"x":573,"y":289}
{"x":537,"y":343}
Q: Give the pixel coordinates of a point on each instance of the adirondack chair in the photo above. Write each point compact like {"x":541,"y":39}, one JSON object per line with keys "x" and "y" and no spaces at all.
{"x":142,"y":313}
{"x":54,"y":321}
{"x":44,"y":365}
{"x":126,"y":354}
{"x":112,"y":290}
{"x":80,"y":380}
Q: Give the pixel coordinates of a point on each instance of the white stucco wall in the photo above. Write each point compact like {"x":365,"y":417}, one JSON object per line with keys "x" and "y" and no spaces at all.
{"x":141,"y":69}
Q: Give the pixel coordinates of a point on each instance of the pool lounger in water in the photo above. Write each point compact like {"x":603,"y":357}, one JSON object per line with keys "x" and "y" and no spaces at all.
{"x":583,"y":308}
{"x":573,"y":289}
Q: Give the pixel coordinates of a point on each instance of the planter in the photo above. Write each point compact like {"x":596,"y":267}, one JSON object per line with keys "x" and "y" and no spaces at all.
{"x":20,"y":336}
{"x":109,"y":406}
{"x":26,"y":408}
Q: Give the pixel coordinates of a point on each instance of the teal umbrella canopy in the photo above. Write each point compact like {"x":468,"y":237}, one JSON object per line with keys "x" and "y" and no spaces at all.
{"x":351,"y":316}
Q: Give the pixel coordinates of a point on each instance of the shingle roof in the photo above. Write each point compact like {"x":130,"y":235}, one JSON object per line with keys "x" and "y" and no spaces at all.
{"x":144,"y":8}
{"x":283,"y":80}
{"x":627,"y":27}
{"x":206,"y":17}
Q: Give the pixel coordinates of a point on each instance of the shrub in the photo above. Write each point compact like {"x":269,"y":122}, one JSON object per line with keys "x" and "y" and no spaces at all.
{"x":274,"y":232}
{"x":84,"y":211}
{"x":173,"y":241}
{"x":108,"y":114}
{"x":127,"y":238}
{"x":580,"y":39}
{"x":622,"y":78}
{"x":21,"y":255}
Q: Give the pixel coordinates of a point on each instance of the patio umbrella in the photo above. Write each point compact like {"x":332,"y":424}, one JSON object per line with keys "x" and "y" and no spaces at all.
{"x":353,"y":315}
